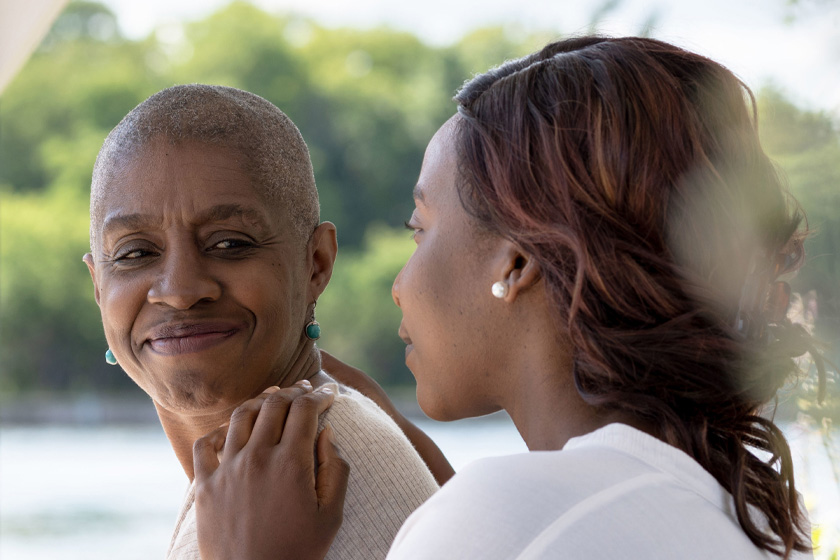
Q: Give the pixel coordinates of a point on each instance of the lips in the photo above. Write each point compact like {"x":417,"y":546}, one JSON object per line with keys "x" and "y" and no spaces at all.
{"x":403,"y":334}
{"x":405,"y":338}
{"x":183,"y":338}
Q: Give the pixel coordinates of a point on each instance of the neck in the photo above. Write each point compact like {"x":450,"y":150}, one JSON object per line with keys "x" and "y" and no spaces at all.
{"x":184,"y":428}
{"x":547,"y":409}
{"x":541,"y":398}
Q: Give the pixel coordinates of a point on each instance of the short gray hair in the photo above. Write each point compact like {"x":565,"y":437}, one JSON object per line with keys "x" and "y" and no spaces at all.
{"x":275,"y":153}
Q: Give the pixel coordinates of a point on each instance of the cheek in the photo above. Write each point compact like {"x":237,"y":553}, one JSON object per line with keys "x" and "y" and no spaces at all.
{"x":121,"y":301}
{"x":417,"y":284}
{"x":431,"y":295}
{"x":442,"y":281}
{"x":277,"y":299}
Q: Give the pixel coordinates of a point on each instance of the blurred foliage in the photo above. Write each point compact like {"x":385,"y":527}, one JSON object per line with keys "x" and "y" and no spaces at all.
{"x":360,"y":320}
{"x":806,"y":147}
{"x":367,"y":103}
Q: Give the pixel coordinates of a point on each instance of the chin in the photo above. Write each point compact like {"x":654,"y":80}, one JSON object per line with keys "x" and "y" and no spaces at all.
{"x":190,"y":394}
{"x":447,"y":410}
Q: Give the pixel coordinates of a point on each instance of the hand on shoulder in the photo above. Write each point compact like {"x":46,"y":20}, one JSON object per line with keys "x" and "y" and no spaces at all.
{"x":257,"y":495}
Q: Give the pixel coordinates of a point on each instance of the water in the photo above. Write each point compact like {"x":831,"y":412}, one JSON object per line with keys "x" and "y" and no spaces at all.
{"x":87,"y":493}
{"x":113,"y":492}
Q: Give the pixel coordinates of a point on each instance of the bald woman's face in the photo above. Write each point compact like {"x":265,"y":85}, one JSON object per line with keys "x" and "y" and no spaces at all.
{"x":203,"y":289}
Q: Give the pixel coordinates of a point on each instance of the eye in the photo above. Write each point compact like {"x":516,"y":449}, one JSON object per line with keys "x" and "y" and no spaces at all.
{"x":133,"y":254}
{"x":232,"y":244}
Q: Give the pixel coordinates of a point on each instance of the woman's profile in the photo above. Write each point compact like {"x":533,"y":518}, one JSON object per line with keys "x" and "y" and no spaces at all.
{"x":601,"y":247}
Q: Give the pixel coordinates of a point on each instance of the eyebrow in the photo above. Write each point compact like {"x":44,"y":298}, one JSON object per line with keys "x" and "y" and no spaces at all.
{"x":418,"y":193}
{"x":218,"y":213}
{"x":223,"y":212}
{"x":127,"y":221}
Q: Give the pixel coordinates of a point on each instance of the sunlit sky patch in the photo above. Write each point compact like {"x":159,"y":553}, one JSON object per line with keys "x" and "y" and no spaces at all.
{"x":794,"y":45}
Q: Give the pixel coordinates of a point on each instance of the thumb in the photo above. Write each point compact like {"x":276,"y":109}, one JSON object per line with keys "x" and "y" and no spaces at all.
{"x":206,"y":452}
{"x":333,"y":474}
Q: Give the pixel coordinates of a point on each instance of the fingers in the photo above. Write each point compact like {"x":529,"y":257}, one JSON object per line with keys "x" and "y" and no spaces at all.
{"x":271,"y":419}
{"x":302,"y":423}
{"x":206,"y":452}
{"x":333,"y":474}
{"x":242,"y":421}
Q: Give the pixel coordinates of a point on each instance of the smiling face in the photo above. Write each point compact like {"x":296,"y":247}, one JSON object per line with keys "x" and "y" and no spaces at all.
{"x":449,"y":315}
{"x":204,"y":288}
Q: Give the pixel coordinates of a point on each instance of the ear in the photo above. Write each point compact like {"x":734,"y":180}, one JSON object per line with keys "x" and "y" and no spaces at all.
{"x":517,"y":269}
{"x":88,"y":259}
{"x":322,"y":250}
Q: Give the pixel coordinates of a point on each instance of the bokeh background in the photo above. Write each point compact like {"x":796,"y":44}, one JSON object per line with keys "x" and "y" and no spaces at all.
{"x":367,"y":83}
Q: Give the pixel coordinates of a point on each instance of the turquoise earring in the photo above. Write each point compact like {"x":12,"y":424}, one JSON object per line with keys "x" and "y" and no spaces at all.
{"x":312,"y":328}
{"x":110,"y":358}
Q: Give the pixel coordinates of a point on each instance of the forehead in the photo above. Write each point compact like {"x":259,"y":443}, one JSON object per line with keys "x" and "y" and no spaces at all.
{"x":440,"y":165}
{"x":178,"y":167}
{"x":183,"y":179}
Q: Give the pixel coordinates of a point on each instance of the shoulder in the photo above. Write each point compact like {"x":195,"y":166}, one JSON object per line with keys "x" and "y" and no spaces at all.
{"x":492,"y":508}
{"x":591,"y":500}
{"x":560,"y":477}
{"x":184,"y":542}
{"x":358,"y":421}
{"x":375,"y":446}
{"x":388,"y":479}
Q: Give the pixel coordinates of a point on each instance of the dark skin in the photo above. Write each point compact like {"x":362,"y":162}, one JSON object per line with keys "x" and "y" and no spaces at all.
{"x":251,"y":449}
{"x":471,"y":353}
{"x":203,"y":293}
{"x":265,"y":452}
{"x":242,"y":469}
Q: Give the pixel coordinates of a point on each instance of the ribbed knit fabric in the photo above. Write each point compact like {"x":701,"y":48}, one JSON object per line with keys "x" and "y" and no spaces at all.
{"x":388,"y":480}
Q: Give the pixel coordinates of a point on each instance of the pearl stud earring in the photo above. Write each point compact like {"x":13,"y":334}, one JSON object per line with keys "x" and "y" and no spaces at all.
{"x":499,"y":289}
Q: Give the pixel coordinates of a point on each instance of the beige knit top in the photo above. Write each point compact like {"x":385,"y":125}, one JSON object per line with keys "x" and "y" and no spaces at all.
{"x":388,"y":481}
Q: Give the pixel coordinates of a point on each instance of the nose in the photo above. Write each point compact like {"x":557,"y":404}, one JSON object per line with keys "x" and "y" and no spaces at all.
{"x":395,"y":288}
{"x":184,"y":280}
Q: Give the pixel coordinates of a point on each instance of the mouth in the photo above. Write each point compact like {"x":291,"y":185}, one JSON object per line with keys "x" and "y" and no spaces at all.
{"x":409,"y":345}
{"x":184,"y":338}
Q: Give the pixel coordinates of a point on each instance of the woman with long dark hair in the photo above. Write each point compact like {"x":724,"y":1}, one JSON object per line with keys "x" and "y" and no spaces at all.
{"x":600,"y":241}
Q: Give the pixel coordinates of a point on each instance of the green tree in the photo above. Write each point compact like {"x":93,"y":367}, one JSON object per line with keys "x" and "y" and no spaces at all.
{"x":367,"y":103}
{"x":50,"y":336}
{"x":806,"y":146}
{"x":359,"y":318}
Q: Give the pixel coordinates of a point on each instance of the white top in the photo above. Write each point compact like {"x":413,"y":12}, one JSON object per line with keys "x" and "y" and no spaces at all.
{"x":388,"y":480}
{"x":614,"y":493}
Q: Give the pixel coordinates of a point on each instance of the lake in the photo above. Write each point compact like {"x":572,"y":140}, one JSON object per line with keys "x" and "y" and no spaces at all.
{"x":112,"y":492}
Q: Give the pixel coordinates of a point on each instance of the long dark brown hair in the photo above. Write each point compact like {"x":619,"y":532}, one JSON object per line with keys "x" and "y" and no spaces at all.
{"x":632,"y":171}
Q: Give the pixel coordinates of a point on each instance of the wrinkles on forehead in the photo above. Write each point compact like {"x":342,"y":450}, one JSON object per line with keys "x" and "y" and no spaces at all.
{"x":119,"y":224}
{"x":274,"y":153}
{"x":150,"y":160}
{"x":132,"y":201}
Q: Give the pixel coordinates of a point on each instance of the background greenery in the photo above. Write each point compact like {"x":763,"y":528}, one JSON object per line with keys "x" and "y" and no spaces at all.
{"x":367,"y":103}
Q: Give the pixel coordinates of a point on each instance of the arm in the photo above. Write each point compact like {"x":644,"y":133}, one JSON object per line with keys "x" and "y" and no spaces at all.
{"x":357,"y":379}
{"x":263,"y":500}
